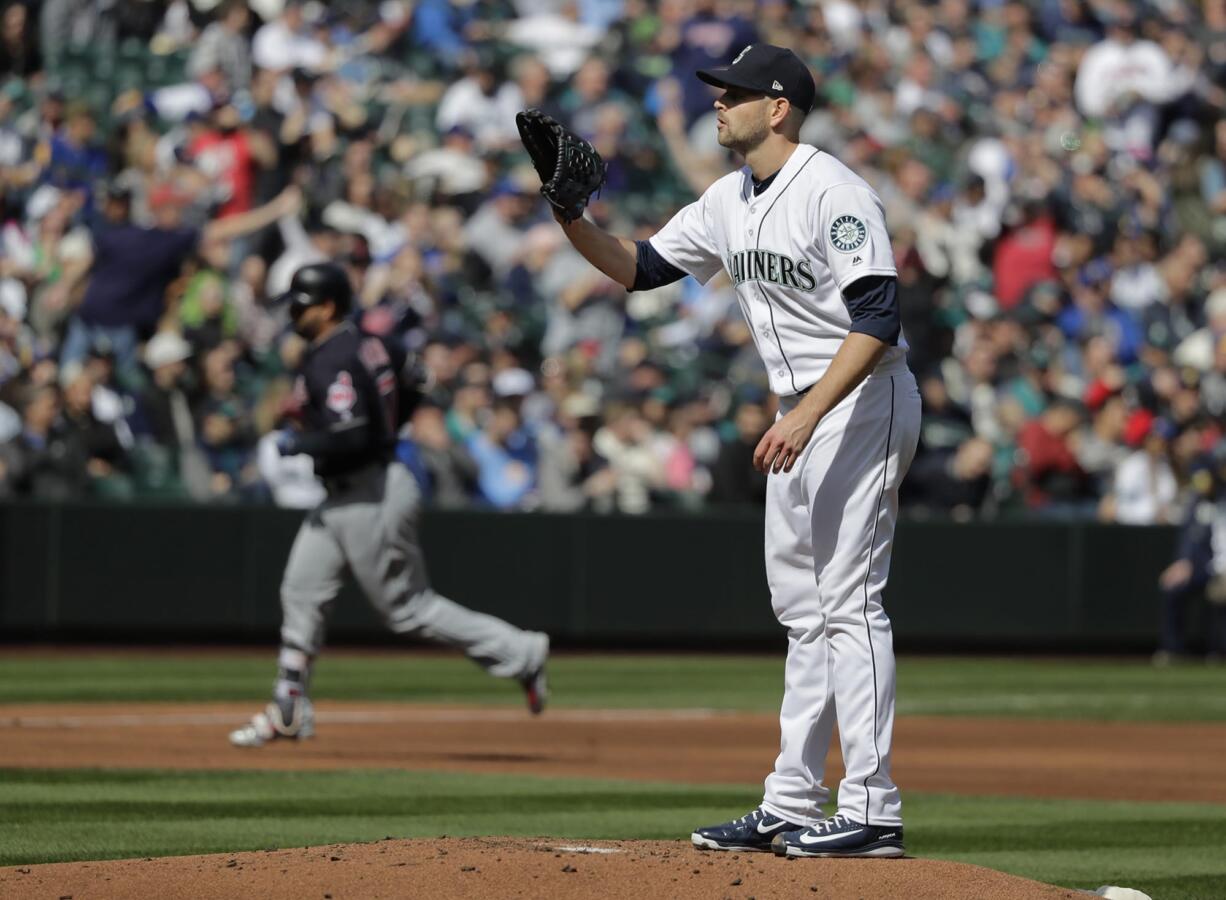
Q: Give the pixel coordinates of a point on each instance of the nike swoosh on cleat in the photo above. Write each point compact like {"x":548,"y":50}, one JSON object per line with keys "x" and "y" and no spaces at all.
{"x":823,"y":839}
{"x":770,"y":828}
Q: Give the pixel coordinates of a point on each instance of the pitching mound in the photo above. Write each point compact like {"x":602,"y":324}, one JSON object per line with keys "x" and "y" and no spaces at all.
{"x":449,"y":868}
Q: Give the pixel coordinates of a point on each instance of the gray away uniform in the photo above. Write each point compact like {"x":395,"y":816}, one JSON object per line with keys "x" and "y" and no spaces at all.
{"x":355,"y":392}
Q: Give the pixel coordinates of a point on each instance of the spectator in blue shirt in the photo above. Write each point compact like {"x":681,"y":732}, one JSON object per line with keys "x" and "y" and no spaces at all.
{"x":76,"y":162}
{"x":131,"y":267}
{"x":1092,"y":314}
{"x":506,"y":466}
{"x":438,"y":26}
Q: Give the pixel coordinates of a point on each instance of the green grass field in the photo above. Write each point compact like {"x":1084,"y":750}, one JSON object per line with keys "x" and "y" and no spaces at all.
{"x":1068,"y":689}
{"x":1171,"y":851}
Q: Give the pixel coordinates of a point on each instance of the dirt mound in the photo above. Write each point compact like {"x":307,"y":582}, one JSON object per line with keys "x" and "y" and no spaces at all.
{"x":452,"y":868}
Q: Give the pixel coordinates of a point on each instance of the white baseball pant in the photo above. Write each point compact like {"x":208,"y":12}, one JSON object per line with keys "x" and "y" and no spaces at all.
{"x":829,"y":536}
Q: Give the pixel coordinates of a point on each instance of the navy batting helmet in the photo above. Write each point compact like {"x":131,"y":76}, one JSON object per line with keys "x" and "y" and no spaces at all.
{"x":319,"y":283}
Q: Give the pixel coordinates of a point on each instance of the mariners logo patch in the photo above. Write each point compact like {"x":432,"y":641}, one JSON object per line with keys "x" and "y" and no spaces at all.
{"x":848,"y":233}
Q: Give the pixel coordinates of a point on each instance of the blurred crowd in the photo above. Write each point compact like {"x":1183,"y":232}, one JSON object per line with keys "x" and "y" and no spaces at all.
{"x":1053,"y":174}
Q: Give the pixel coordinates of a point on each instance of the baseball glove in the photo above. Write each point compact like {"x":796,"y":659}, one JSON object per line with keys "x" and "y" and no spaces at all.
{"x":570,"y":168}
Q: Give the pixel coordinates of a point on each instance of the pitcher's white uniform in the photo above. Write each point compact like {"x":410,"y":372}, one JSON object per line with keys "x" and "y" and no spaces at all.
{"x":790,"y":252}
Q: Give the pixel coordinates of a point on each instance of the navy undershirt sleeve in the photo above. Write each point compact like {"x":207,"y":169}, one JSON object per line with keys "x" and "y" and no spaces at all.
{"x":872,"y":302}
{"x":651,"y":270}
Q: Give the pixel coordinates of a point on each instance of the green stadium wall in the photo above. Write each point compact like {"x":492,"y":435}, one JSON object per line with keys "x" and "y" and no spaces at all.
{"x":140,"y":573}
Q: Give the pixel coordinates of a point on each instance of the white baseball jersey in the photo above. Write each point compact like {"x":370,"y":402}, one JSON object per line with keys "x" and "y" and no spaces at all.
{"x":790,"y":252}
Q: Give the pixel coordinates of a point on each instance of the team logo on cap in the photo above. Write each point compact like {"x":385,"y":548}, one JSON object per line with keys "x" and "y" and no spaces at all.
{"x":742,"y":53}
{"x":848,"y":233}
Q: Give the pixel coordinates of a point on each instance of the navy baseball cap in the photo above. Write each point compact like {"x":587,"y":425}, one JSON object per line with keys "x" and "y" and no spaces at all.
{"x":767,"y":69}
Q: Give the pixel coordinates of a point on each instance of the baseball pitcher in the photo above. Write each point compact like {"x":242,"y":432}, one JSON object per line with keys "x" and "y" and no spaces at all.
{"x":803,"y":240}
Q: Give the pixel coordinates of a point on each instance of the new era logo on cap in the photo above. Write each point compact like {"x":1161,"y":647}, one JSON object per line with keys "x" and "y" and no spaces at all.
{"x":766,"y":69}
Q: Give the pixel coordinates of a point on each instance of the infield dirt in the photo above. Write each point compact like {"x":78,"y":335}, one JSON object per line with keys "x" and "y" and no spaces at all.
{"x":971,"y":756}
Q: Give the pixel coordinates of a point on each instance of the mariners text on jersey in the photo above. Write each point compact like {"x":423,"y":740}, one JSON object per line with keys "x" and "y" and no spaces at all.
{"x":763,"y":265}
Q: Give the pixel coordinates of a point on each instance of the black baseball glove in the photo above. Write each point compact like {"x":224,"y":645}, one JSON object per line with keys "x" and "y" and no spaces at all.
{"x":570,"y":168}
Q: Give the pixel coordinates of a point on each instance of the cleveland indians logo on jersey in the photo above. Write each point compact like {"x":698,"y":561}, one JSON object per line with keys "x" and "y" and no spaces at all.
{"x":763,"y":265}
{"x":341,"y":395}
{"x":848,"y":234}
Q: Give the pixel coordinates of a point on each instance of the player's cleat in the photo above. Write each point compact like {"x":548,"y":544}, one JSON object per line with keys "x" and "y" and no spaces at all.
{"x":753,"y":831}
{"x":840,"y":836}
{"x":292,"y":719}
{"x":536,"y":690}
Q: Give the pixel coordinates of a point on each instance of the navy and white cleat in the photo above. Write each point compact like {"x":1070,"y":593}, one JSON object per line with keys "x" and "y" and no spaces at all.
{"x":750,"y":832}
{"x":840,"y":836}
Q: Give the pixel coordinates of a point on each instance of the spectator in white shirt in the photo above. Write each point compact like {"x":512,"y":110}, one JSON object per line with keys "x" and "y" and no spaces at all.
{"x":453,"y":168}
{"x":1145,"y":489}
{"x":1120,"y":65}
{"x":287,"y":43}
{"x":483,"y":104}
{"x":224,"y":46}
{"x":303,"y":246}
{"x":560,"y":39}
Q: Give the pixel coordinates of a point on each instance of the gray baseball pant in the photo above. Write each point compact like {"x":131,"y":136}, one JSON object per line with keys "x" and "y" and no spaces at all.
{"x":368,"y":524}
